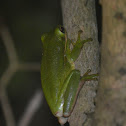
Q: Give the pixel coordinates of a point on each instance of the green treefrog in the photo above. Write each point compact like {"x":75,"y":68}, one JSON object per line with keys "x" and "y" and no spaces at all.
{"x":61,"y":82}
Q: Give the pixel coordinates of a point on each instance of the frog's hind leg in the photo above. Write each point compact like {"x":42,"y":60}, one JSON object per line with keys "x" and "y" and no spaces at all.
{"x":71,"y":92}
{"x":88,"y":77}
{"x":74,"y":86}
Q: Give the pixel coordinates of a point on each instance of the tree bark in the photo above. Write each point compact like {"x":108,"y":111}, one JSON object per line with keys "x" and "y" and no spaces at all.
{"x":111,"y":99}
{"x":80,"y":15}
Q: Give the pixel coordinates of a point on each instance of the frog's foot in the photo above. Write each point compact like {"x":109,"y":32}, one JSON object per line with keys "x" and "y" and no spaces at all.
{"x":62,"y":120}
{"x":87,"y":77}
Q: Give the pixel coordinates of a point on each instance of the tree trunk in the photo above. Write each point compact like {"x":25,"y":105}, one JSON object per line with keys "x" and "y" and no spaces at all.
{"x":80,"y":15}
{"x":111,"y":99}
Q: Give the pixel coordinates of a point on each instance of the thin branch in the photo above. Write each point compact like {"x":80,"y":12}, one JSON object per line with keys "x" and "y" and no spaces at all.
{"x":9,"y":44}
{"x":10,"y":121}
{"x":31,"y":109}
{"x":9,"y":72}
{"x":13,"y":67}
{"x":80,"y":15}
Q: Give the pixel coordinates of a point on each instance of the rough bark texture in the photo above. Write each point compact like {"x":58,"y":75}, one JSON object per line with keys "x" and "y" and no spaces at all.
{"x":111,"y":100}
{"x":80,"y":15}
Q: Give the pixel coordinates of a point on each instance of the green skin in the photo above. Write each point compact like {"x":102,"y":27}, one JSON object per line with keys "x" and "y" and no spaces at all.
{"x":61,"y":82}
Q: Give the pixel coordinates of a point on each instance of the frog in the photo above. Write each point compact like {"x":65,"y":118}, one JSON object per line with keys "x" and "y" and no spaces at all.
{"x":61,"y":81}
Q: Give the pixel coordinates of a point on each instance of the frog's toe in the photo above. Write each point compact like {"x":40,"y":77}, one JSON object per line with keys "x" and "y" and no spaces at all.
{"x":59,"y":114}
{"x":66,"y":114}
{"x":62,"y":120}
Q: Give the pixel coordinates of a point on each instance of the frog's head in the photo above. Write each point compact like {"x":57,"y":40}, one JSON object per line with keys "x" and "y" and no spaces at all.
{"x":60,"y":31}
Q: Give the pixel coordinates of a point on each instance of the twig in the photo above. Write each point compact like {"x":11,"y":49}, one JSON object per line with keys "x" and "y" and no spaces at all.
{"x":9,"y":44}
{"x":31,"y":108}
{"x":13,"y":67}
{"x":9,"y":72}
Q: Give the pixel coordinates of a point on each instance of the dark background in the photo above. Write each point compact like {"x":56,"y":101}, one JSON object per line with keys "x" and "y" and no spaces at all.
{"x":27,"y":20}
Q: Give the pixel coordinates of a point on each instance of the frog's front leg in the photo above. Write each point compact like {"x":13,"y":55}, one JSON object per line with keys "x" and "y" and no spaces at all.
{"x":73,"y":54}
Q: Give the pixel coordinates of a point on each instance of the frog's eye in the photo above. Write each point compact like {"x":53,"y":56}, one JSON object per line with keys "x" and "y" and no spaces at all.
{"x":62,"y":29}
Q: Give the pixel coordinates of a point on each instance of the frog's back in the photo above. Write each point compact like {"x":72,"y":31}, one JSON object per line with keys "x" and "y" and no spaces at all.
{"x":53,"y":69}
